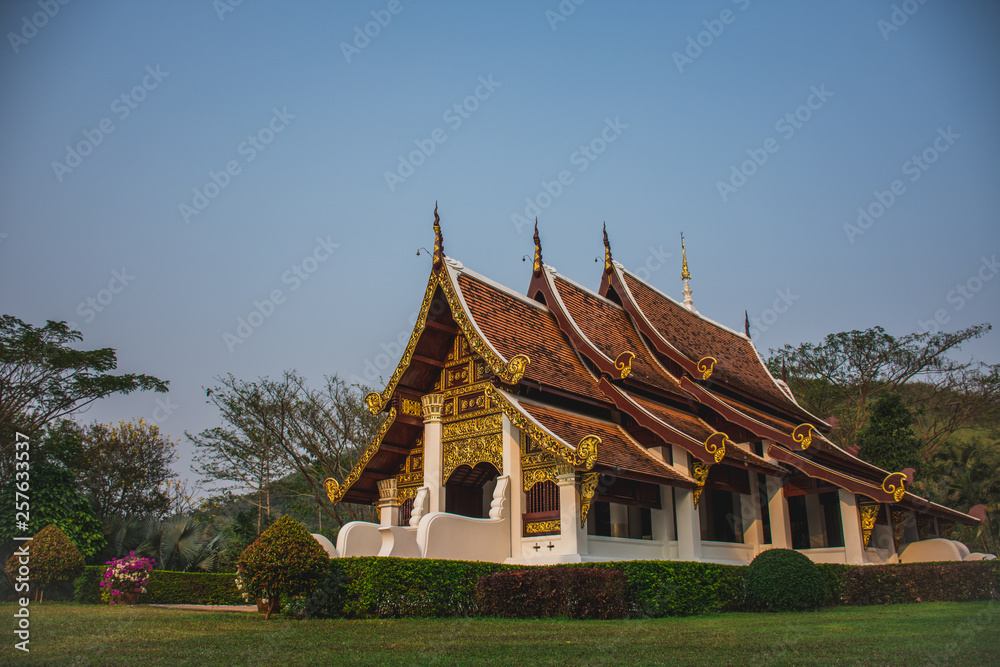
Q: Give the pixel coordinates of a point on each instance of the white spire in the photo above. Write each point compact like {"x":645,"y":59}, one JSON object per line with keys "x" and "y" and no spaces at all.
{"x":686,"y":276}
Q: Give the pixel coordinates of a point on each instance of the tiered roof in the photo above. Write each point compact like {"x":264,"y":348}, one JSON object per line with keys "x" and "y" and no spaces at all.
{"x":622,"y":370}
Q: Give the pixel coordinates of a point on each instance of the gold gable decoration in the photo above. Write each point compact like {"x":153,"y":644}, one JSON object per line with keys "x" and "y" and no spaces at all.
{"x":588,"y":487}
{"x":510,"y":372}
{"x":869,"y":514}
{"x":334,"y":490}
{"x":699,"y":471}
{"x":537,"y":465}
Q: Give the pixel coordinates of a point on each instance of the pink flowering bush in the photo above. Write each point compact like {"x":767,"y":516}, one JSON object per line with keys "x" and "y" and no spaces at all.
{"x":125,"y":575}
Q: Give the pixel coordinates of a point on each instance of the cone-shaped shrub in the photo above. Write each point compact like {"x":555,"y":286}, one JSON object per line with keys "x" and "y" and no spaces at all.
{"x":52,"y":558}
{"x":784,"y":580}
{"x":284,"y":562}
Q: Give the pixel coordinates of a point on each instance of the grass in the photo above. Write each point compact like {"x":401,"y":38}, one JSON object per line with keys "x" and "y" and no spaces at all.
{"x":930,"y":633}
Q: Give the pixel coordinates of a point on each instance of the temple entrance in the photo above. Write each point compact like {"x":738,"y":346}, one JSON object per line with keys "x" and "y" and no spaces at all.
{"x":469,"y":491}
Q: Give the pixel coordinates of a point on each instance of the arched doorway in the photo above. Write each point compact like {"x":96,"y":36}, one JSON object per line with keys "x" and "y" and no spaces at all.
{"x":468,"y":491}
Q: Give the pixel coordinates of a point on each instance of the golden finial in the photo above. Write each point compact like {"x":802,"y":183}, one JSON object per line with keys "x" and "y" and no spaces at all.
{"x":438,"y":240}
{"x":685,"y":274}
{"x":537,"y":267}
{"x":607,"y":250}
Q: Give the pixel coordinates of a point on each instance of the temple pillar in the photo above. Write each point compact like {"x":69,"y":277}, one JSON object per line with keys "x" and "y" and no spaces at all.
{"x":388,"y":502}
{"x":753,"y":524}
{"x":573,"y":540}
{"x":663,"y":519}
{"x":433,"y":452}
{"x":688,"y":521}
{"x":619,"y":520}
{"x":817,"y":521}
{"x":512,"y":468}
{"x":777,"y":508}
{"x":854,"y":546}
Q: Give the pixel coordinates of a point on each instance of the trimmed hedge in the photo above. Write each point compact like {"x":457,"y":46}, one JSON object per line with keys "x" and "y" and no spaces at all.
{"x":548,"y":592}
{"x":658,"y":588}
{"x":833,"y":578}
{"x":784,"y":580}
{"x":376,"y":587}
{"x":166,"y":587}
{"x":922,"y":582}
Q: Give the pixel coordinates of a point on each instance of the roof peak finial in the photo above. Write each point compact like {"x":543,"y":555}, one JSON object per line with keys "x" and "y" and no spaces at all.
{"x":536,"y":267}
{"x":438,"y":239}
{"x":686,"y":277}
{"x":685,"y":274}
{"x":607,"y":250}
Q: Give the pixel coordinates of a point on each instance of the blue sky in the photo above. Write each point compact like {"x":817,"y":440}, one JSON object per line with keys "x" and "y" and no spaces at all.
{"x":175,"y":163}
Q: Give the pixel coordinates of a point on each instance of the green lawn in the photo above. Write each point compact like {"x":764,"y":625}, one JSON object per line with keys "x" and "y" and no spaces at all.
{"x":931,"y":633}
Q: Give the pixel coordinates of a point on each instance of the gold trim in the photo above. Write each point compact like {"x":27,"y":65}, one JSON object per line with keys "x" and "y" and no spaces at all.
{"x":625,"y":367}
{"x":588,"y":486}
{"x":706,"y":365}
{"x":804,"y":439}
{"x":376,"y":401}
{"x":536,"y":527}
{"x":410,"y":407}
{"x":509,"y":372}
{"x":334,"y":490}
{"x":716,"y":445}
{"x":586,"y":451}
{"x":869,"y":513}
{"x":699,"y":471}
{"x":897,"y":491}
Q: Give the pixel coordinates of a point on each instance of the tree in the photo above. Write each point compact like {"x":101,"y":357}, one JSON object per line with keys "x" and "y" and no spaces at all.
{"x":53,"y":558}
{"x":844,"y":375}
{"x":285,"y":561}
{"x":54,"y":496}
{"x":125,"y":469}
{"x":241,"y":455}
{"x":321,"y":432}
{"x":887,"y":439}
{"x":43,"y":379}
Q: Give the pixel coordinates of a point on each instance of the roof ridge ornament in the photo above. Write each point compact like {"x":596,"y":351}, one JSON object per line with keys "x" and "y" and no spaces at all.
{"x":686,"y":277}
{"x":607,"y":250}
{"x":438,"y":240}
{"x":536,"y":268}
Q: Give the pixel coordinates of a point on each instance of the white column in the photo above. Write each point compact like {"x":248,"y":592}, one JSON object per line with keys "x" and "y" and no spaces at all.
{"x":777,"y":509}
{"x":619,"y":520}
{"x":512,"y":468}
{"x":854,"y":545}
{"x":663,"y":519}
{"x":753,"y":525}
{"x":433,"y":452}
{"x":817,"y":521}
{"x":569,"y":512}
{"x":688,"y":522}
{"x":388,"y":502}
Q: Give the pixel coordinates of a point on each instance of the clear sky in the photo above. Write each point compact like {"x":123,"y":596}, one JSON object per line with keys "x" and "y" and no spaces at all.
{"x":165,"y":166}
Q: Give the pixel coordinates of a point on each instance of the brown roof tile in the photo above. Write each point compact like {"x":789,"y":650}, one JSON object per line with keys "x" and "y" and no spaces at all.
{"x":617,"y":448}
{"x":513,"y":327}
{"x":608,"y":327}
{"x":737,"y":362}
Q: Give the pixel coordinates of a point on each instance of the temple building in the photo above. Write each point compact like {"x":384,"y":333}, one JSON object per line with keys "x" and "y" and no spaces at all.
{"x":568,"y":425}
